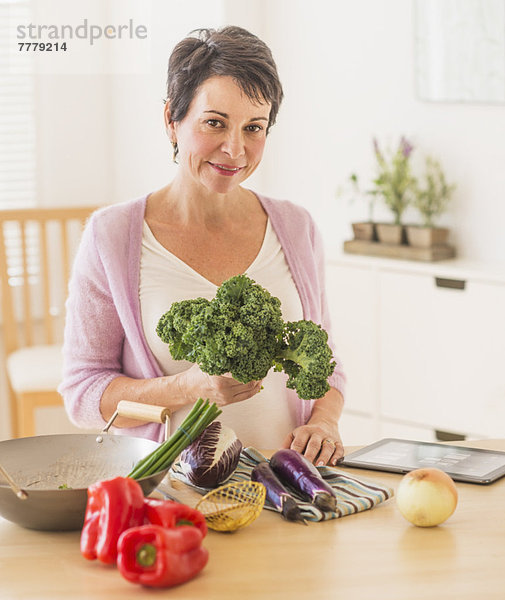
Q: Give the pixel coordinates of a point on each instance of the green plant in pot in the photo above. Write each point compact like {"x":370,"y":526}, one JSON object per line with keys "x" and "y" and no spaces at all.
{"x":364,"y":230}
{"x":396,"y":184}
{"x":430,"y":201}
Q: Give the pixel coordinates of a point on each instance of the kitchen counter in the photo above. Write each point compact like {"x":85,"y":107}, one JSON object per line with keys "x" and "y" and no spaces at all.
{"x":373,"y":554}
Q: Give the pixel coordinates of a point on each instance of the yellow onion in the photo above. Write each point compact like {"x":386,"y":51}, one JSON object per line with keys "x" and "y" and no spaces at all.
{"x":426,"y":497}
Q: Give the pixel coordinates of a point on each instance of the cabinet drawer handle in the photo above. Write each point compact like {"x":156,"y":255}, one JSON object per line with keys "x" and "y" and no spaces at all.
{"x":449,"y":436}
{"x":453,"y":284}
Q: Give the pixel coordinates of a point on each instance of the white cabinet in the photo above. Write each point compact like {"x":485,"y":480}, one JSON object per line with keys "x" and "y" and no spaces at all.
{"x":419,"y":356}
{"x":399,"y":429}
{"x":441,"y":353}
{"x":358,"y":430}
{"x":352,"y":294}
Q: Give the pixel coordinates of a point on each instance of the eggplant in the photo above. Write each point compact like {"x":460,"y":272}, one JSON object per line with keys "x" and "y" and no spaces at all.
{"x":277,"y":494}
{"x":295,"y":470}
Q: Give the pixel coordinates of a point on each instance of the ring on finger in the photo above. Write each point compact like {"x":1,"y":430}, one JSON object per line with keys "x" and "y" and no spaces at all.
{"x":331,"y":442}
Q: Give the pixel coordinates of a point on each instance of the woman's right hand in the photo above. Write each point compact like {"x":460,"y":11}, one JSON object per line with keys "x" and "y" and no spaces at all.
{"x":221,"y":389}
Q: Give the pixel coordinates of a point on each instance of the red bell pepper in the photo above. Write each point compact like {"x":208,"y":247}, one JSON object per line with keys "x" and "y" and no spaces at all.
{"x":158,"y":557}
{"x":113,"y":506}
{"x":173,"y":514}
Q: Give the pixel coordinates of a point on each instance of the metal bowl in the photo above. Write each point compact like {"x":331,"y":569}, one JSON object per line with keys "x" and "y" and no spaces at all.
{"x":56,"y":470}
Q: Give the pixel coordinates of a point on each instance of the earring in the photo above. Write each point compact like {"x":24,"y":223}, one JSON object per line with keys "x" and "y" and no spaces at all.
{"x":175,"y":152}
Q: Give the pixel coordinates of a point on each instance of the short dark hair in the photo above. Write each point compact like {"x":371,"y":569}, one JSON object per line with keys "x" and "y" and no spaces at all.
{"x":231,"y":51}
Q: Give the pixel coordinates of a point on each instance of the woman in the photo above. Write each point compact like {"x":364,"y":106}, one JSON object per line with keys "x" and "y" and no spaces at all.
{"x":183,"y":241}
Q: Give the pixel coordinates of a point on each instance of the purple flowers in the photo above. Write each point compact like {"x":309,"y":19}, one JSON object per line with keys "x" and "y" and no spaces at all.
{"x":376,"y":148}
{"x":394,"y":181}
{"x":405,"y":147}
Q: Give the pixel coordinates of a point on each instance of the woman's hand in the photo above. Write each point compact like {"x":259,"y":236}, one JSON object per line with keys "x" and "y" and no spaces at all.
{"x":174,"y":392}
{"x":319,"y":439}
{"x":320,"y":444}
{"x":221,"y":389}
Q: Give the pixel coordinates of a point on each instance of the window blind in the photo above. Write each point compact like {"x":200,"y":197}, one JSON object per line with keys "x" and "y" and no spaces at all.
{"x":17,"y":110}
{"x":17,"y":136}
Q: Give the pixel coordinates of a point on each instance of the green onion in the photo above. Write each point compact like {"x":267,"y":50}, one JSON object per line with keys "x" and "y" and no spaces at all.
{"x":199,"y":418}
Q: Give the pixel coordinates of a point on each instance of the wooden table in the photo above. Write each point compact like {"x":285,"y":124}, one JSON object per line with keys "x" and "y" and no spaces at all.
{"x":373,"y":554}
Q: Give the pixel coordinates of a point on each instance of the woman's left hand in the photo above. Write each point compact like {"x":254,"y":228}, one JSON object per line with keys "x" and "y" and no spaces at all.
{"x":319,"y":439}
{"x":320,"y":444}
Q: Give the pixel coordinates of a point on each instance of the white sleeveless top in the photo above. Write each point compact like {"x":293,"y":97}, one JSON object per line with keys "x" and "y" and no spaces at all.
{"x":265,"y":419}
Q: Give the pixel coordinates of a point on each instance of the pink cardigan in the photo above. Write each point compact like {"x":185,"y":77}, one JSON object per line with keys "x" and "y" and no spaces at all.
{"x":103,"y":331}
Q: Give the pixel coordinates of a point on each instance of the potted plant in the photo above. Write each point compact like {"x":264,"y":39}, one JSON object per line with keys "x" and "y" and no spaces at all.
{"x":364,"y":230}
{"x":395,"y":183}
{"x":430,"y":201}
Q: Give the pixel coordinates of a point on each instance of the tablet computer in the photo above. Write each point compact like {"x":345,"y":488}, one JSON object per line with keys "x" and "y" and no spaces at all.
{"x":472,"y":465}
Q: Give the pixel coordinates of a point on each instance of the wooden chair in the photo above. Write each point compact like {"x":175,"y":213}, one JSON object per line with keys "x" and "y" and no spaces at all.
{"x":37,"y":247}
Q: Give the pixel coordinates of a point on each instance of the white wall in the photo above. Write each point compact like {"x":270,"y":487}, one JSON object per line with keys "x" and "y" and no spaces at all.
{"x":74,"y":140}
{"x":348,"y":73}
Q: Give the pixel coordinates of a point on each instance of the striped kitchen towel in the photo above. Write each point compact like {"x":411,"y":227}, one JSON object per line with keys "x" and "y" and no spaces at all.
{"x":353,"y":494}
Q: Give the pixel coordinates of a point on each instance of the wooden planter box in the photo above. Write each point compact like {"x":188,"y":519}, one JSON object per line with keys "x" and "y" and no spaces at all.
{"x":388,"y":233}
{"x":410,"y":242}
{"x":426,"y":237}
{"x":364,"y":231}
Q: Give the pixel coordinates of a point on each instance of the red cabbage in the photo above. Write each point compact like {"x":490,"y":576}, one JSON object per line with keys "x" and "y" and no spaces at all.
{"x":212,"y":458}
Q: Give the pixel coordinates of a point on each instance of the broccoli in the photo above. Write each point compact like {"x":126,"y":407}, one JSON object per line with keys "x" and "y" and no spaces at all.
{"x":306,"y":358}
{"x":173,"y":328}
{"x":241,"y":331}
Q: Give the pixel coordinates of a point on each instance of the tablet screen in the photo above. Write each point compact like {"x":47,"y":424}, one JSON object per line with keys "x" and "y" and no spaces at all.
{"x":464,"y":464}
